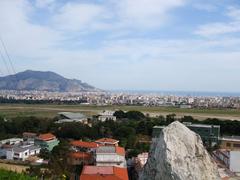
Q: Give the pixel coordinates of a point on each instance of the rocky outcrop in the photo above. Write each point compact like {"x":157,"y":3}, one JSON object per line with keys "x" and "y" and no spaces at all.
{"x":179,"y":154}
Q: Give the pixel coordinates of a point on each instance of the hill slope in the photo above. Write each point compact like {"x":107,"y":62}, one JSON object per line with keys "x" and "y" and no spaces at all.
{"x":43,"y":81}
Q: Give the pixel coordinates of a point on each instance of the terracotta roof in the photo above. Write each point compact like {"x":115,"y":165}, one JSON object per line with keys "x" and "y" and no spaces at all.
{"x":104,"y":173}
{"x":120,"y":150}
{"x":46,"y":137}
{"x":80,"y":155}
{"x":84,"y":144}
{"x":107,"y":140}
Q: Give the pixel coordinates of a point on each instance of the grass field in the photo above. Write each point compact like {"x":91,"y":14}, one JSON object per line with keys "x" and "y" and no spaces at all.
{"x":46,"y":110}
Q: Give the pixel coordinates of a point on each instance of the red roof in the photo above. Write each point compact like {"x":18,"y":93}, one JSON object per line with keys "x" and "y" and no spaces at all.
{"x":80,"y":155}
{"x":107,"y":140}
{"x":46,"y":137}
{"x":120,"y":150}
{"x":84,"y":144}
{"x":104,"y":173}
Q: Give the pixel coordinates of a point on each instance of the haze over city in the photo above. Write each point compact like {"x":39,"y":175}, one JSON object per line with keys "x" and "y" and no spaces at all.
{"x":128,"y":44}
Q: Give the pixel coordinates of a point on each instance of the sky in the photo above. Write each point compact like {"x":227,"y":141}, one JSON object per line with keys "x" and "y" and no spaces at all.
{"x":190,"y":45}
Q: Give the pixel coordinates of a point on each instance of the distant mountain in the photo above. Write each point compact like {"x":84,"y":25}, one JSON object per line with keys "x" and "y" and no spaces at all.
{"x":43,"y":81}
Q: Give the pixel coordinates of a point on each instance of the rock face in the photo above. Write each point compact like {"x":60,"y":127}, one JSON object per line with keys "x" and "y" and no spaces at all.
{"x":179,"y":154}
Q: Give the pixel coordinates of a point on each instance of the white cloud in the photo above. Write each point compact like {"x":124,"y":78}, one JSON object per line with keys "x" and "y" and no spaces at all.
{"x":219,"y":28}
{"x":146,"y":13}
{"x":234,"y":13}
{"x":45,"y":3}
{"x":77,"y":16}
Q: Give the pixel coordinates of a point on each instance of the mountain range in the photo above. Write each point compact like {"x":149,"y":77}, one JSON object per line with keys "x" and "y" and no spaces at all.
{"x":43,"y":81}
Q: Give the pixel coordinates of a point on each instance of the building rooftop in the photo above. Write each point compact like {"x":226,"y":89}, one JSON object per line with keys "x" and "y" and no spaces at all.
{"x":203,"y":125}
{"x":46,"y":137}
{"x":29,"y":134}
{"x":107,"y":141}
{"x":84,"y":144}
{"x":19,"y":149}
{"x":80,"y":155}
{"x":107,"y":113}
{"x":71,"y":115}
{"x":189,"y":124}
{"x":231,"y":138}
{"x":111,"y":150}
{"x":104,"y":173}
{"x":69,"y":120}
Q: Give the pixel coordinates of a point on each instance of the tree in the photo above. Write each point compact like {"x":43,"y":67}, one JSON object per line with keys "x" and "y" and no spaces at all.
{"x":170,"y":118}
{"x":120,"y":114}
{"x":135,"y":115}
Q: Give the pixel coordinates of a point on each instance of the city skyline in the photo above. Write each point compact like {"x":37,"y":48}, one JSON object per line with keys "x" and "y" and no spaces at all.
{"x":129,"y":44}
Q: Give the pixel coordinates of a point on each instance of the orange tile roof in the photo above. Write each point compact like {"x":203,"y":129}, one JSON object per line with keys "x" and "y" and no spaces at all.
{"x":80,"y":155}
{"x":84,"y":144}
{"x":107,"y":140}
{"x":120,"y":150}
{"x":46,"y":137}
{"x":104,"y":173}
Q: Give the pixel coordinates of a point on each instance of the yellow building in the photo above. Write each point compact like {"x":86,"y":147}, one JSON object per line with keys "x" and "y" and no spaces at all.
{"x":230,"y":143}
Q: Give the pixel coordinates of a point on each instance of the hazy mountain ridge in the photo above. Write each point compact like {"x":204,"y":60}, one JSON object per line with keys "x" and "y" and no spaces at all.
{"x":43,"y":81}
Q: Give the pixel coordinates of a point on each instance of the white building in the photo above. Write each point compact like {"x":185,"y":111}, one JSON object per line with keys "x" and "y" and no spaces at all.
{"x":11,"y":141}
{"x":230,"y":158}
{"x":22,"y":152}
{"x":107,"y":115}
{"x":110,"y":156}
{"x":234,"y":159}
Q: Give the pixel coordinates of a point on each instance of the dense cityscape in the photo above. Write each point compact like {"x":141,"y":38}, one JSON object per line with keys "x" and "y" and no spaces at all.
{"x":113,"y":98}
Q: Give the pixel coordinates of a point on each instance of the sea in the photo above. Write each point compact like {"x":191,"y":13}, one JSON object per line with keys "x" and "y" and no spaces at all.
{"x":181,"y":93}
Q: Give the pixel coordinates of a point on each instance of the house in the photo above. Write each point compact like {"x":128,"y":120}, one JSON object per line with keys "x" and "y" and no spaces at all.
{"x":230,"y":143}
{"x":46,"y":141}
{"x":78,"y":158}
{"x":11,"y":141}
{"x":231,"y":159}
{"x":210,"y":134}
{"x":110,"y":156}
{"x":22,"y":152}
{"x":103,"y":173}
{"x":8,"y":143}
{"x":3,"y":150}
{"x":65,"y":117}
{"x":29,"y":137}
{"x":107,"y":142}
{"x":84,"y":146}
{"x":107,"y":115}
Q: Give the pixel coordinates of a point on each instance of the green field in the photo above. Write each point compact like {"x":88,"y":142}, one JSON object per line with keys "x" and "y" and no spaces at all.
{"x":46,"y":110}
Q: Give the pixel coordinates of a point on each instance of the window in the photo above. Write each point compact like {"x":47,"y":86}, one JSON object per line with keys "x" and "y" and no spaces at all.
{"x":228,"y":144}
{"x":236,"y":145}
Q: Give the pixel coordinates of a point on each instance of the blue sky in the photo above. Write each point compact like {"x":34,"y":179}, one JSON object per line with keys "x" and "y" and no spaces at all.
{"x":191,"y":45}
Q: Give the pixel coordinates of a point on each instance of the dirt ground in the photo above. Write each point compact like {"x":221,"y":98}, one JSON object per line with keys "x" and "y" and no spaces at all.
{"x":12,"y":167}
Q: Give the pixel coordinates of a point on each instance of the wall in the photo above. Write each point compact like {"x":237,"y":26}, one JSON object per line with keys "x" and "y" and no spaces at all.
{"x":235,"y":161}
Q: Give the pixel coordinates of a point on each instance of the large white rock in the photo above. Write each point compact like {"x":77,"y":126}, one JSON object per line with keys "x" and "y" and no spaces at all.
{"x":179,"y":154}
